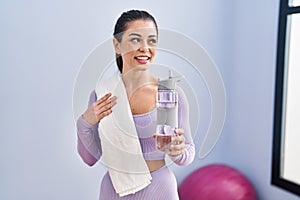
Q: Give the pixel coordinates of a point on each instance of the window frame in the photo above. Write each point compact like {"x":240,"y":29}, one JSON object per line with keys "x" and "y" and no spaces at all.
{"x":282,"y":55}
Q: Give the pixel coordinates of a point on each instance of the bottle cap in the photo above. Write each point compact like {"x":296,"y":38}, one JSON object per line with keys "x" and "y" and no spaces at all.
{"x":169,"y":83}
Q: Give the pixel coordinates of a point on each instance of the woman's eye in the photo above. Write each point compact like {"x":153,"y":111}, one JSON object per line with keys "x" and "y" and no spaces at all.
{"x":135,"y":40}
{"x":153,"y":41}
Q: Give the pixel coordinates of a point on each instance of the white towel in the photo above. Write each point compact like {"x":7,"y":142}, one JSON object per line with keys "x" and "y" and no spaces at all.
{"x":121,"y":150}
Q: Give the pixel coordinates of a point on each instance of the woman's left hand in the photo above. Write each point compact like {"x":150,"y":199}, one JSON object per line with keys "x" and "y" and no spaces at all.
{"x":178,"y":143}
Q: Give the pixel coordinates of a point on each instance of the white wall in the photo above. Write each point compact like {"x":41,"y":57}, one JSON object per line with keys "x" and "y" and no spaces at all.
{"x":43,"y":44}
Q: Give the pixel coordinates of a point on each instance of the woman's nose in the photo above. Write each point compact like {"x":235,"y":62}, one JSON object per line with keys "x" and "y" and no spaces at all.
{"x":144,"y":47}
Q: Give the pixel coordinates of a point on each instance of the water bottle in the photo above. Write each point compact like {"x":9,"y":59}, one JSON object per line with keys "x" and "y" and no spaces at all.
{"x":167,"y":111}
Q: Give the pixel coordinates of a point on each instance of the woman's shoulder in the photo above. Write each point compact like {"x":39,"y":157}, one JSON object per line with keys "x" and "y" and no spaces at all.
{"x":182,"y":98}
{"x":180,"y":91}
{"x":93,"y":97}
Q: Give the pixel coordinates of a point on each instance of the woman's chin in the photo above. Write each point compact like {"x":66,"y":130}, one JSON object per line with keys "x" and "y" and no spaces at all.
{"x":141,"y":67}
{"x":137,"y":68}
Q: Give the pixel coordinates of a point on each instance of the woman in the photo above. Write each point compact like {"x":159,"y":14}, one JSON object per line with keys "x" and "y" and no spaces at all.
{"x":135,"y":41}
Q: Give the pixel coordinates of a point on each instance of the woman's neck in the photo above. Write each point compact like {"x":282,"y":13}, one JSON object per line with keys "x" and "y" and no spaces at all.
{"x":138,"y":78}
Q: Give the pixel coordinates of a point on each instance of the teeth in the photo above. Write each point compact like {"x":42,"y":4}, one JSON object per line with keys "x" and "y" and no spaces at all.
{"x":142,"y":58}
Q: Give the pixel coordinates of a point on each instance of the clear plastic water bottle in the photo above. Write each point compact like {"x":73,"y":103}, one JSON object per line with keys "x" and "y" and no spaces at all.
{"x":167,"y":112}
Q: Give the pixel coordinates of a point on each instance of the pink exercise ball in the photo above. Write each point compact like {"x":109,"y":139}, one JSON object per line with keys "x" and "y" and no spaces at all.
{"x":216,"y":182}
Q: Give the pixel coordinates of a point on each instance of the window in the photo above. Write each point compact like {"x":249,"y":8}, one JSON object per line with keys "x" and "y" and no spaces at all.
{"x":295,"y":3}
{"x":286,"y":143}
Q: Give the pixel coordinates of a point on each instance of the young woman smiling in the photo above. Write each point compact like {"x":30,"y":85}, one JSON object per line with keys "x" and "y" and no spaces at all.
{"x":135,"y":42}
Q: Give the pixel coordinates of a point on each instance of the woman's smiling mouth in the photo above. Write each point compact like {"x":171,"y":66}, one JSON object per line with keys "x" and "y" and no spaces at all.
{"x":142,"y":59}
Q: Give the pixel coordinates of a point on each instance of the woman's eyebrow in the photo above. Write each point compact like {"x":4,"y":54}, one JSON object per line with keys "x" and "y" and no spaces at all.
{"x":135,"y":34}
{"x":152,"y":36}
{"x":139,"y":35}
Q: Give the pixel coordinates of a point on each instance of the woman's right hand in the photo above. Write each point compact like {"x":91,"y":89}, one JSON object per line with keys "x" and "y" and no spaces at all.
{"x":100,"y":109}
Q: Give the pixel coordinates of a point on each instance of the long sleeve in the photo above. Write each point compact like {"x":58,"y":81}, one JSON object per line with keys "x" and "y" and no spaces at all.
{"x":188,"y":154}
{"x":88,"y":141}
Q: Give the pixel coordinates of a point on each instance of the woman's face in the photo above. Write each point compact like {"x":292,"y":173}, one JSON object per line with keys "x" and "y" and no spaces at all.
{"x":138,"y":45}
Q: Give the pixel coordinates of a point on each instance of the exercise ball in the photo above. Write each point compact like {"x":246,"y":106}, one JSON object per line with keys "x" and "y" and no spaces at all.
{"x":216,"y":182}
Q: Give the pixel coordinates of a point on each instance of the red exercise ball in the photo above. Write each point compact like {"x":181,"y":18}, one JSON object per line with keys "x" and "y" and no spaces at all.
{"x":216,"y":182}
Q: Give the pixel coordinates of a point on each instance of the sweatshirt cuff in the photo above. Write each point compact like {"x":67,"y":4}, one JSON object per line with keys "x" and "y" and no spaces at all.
{"x":187,"y":155}
{"x":83,"y":123}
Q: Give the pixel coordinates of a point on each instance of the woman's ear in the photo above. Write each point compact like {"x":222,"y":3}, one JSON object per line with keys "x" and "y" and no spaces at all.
{"x":117,"y":46}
